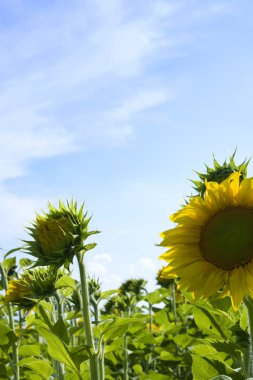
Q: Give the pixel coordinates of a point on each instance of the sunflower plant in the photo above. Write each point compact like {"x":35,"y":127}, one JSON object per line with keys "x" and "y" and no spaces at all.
{"x":210,"y":250}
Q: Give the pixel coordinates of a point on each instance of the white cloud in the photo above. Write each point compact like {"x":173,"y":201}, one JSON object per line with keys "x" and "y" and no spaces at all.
{"x":144,"y":268}
{"x":102,"y":258}
{"x":141,"y":101}
{"x":147,"y":263}
{"x":20,"y":146}
{"x":99,"y":266}
{"x":49,"y":67}
{"x":16,"y":213}
{"x":96,"y":269}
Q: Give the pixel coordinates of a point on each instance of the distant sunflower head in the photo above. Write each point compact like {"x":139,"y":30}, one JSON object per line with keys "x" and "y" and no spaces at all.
{"x":59,"y":234}
{"x":164,"y":282}
{"x":211,"y":248}
{"x":33,"y":286}
{"x":19,"y":293}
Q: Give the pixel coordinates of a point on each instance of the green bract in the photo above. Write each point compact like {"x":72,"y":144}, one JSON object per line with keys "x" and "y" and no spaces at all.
{"x":59,"y":234}
{"x":33,"y":286}
{"x":220,"y":172}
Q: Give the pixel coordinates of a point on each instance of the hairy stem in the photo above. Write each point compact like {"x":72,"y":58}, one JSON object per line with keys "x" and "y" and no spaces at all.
{"x":126,"y":366}
{"x":59,"y":366}
{"x":249,"y":359}
{"x":94,"y":370}
{"x":15,"y":358}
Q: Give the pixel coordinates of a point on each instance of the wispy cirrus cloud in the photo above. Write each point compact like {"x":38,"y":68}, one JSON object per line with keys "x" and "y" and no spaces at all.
{"x":74,"y":77}
{"x":78,"y":82}
{"x":59,"y":79}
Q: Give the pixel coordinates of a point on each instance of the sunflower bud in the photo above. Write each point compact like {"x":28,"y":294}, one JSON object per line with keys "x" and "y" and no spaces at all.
{"x":59,"y":234}
{"x":94,"y":287}
{"x":33,"y":286}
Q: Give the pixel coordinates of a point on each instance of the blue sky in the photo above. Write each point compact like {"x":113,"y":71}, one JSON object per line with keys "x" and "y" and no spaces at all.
{"x":116,"y":102}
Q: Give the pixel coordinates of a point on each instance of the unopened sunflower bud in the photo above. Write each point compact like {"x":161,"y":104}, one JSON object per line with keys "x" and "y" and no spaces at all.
{"x":59,"y":234}
{"x":33,"y":286}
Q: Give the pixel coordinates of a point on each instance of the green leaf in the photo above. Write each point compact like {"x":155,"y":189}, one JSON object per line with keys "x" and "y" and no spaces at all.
{"x":7,"y":337}
{"x":221,"y":303}
{"x":244,"y":320}
{"x":111,"y":330}
{"x":32,"y":376}
{"x":65,"y":282}
{"x":138,"y":369}
{"x":156,"y":376}
{"x":3,"y":373}
{"x":56,"y":347}
{"x":161,"y":317}
{"x":209,"y":352}
{"x":211,"y":324}
{"x":24,"y":263}
{"x":168,"y":356}
{"x":146,"y":338}
{"x":9,"y":263}
{"x":115,"y":331}
{"x":41,"y":367}
{"x":222,"y":377}
{"x":12,"y":251}
{"x":61,"y":330}
{"x":107,"y":293}
{"x":183,"y":340}
{"x":72,"y":376}
{"x":79,"y":354}
{"x":90,"y":246}
{"x":202,"y":369}
{"x":4,"y":330}
{"x":45,"y":312}
{"x":29,"y":350}
{"x":154,"y":297}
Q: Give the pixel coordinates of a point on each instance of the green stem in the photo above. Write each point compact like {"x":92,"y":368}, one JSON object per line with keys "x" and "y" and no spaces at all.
{"x":174,"y":304}
{"x":249,"y":359}
{"x":59,"y":366}
{"x":94,"y":370}
{"x":12,"y":326}
{"x":174,"y":308}
{"x":126,"y":368}
{"x":96,"y":312}
{"x":101,"y":363}
{"x":59,"y":305}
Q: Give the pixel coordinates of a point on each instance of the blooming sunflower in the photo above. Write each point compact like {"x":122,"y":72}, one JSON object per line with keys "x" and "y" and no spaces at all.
{"x":211,"y":248}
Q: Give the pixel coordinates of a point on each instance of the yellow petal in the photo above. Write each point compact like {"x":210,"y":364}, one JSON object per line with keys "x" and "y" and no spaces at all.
{"x":180,"y":235}
{"x":229,"y":189}
{"x":245,"y":195}
{"x":237,"y":286}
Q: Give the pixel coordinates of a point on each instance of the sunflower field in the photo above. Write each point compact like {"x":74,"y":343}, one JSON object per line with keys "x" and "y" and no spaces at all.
{"x":197,"y":324}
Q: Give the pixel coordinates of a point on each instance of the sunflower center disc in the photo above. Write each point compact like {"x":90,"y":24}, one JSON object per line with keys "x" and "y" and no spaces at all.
{"x":226,"y":240}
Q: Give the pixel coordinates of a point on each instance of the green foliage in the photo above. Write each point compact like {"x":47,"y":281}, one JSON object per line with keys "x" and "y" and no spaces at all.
{"x":158,"y":335}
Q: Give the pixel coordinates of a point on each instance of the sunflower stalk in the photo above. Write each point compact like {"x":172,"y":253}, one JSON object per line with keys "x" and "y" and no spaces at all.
{"x":98,"y":345}
{"x":249,"y":354}
{"x":125,"y":351}
{"x":85,"y":305}
{"x":59,"y":366}
{"x":15,"y":357}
